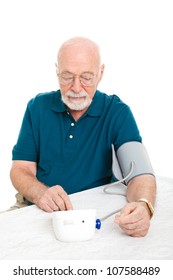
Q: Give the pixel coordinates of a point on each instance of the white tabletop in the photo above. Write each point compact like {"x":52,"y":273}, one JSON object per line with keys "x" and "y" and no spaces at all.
{"x":27,"y":233}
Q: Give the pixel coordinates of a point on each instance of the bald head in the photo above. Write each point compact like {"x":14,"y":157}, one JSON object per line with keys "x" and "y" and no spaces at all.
{"x":79,"y":49}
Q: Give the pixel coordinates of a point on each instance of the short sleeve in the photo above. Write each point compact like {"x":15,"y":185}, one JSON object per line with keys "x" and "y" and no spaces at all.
{"x":126,"y":128}
{"x":26,"y":148}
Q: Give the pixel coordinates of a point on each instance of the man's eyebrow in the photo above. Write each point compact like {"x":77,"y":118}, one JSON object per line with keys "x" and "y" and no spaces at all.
{"x":67,"y":72}
{"x":85,"y":72}
{"x":88,"y":72}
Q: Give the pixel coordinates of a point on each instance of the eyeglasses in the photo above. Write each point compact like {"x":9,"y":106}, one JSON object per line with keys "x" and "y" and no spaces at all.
{"x":86,"y":79}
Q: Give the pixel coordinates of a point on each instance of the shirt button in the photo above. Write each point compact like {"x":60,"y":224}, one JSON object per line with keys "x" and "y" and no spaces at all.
{"x":72,"y":124}
{"x":70,"y":136}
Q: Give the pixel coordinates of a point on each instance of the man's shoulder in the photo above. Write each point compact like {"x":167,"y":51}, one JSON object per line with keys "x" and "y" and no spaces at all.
{"x":44,"y":100}
{"x":109,"y":97}
{"x":45,"y":96}
{"x":111,"y":101}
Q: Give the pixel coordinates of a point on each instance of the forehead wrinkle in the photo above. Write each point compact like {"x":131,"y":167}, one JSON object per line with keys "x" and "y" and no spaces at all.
{"x":72,"y":73}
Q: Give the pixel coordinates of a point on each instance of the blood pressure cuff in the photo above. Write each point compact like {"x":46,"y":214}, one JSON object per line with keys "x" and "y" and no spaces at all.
{"x":133,"y":155}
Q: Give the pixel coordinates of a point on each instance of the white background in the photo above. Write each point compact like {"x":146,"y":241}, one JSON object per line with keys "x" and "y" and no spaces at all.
{"x":136,"y":39}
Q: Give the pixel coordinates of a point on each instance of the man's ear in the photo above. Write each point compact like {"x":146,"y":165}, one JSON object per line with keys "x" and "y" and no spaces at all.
{"x":101,"y":72}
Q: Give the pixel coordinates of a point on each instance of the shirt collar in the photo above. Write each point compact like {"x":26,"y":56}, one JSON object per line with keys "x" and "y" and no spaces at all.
{"x":95,"y":109}
{"x":58,"y":105}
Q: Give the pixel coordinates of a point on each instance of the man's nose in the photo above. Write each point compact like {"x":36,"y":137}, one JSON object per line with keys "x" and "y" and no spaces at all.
{"x":76,"y":86}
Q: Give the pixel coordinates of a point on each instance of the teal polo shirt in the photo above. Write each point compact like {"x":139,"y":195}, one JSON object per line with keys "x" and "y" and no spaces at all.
{"x":74,"y":154}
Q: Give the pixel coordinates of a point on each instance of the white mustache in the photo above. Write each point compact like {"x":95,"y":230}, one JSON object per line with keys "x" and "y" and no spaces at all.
{"x":73,"y":94}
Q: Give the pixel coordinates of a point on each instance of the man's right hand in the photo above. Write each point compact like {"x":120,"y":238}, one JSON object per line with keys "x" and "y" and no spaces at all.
{"x":53,"y":199}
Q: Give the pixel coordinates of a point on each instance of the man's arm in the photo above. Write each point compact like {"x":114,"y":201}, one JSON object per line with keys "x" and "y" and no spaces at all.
{"x":134,"y":218}
{"x":143,"y":186}
{"x":23,"y":177}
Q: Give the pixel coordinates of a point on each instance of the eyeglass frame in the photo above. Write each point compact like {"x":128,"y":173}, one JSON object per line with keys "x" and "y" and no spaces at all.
{"x":74,"y":77}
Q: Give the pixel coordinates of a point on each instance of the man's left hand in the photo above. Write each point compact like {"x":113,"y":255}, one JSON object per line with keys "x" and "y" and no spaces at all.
{"x":134,"y":219}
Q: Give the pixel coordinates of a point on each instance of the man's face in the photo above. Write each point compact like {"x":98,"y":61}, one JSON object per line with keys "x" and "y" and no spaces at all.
{"x":79,"y":73}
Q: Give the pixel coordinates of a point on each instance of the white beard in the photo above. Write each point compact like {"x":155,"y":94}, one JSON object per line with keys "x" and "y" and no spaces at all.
{"x":73,"y":101}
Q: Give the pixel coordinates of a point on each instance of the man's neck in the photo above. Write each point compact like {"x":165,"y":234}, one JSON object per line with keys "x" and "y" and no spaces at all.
{"x":77,"y":114}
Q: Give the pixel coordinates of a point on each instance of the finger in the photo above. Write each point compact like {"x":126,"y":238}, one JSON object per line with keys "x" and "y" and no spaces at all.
{"x":59,"y":203}
{"x":128,"y":208}
{"x":66,"y":200}
{"x":136,"y":229}
{"x":117,"y":219}
{"x":136,"y":232}
{"x":47,"y":202}
{"x":130,"y":219}
{"x":46,"y":207}
{"x":130,"y":226}
{"x":53,"y":199}
{"x":130,"y":214}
